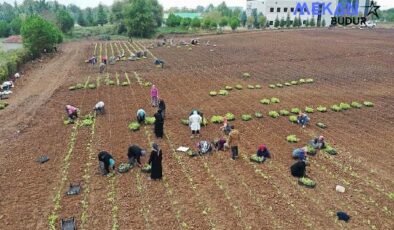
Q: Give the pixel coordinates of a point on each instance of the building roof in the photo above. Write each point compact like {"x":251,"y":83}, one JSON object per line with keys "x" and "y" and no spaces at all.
{"x":184,"y":15}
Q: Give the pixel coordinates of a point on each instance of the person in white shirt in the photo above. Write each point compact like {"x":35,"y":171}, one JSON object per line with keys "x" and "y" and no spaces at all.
{"x":99,"y":107}
{"x":17,"y":75}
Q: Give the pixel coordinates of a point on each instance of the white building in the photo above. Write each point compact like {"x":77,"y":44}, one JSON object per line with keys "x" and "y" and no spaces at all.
{"x":273,"y":9}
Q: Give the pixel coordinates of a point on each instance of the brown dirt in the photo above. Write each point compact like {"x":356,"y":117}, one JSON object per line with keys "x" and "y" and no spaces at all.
{"x":211,"y":191}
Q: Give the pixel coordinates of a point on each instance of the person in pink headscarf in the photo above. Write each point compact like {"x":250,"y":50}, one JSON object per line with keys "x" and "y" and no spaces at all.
{"x":72,"y":112}
{"x":154,"y":93}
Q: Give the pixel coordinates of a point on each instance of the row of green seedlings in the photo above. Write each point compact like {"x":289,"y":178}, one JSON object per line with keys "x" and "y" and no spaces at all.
{"x":112,"y":49}
{"x":3,"y":105}
{"x":169,"y":191}
{"x":85,"y":85}
{"x":100,"y":52}
{"x":111,"y":197}
{"x":291,"y":83}
{"x":227,"y":88}
{"x":117,"y":81}
{"x":128,"y":49}
{"x":206,"y":209}
{"x":141,"y":81}
{"x":95,"y":49}
{"x":87,"y":175}
{"x":53,"y":216}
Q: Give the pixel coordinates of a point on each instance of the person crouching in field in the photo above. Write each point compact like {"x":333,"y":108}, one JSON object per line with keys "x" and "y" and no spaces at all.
{"x":303,"y":119}
{"x":318,"y":143}
{"x":154,"y":94}
{"x":134,"y":154}
{"x":99,"y":107}
{"x":298,"y":169}
{"x":300,"y":153}
{"x":195,"y":124}
{"x":141,"y":116}
{"x":72,"y":112}
{"x":102,"y":67}
{"x":262,"y":151}
{"x":204,"y":147}
{"x":106,"y":162}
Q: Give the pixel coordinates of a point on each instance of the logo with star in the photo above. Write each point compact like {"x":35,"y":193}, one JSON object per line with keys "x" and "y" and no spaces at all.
{"x":373,"y":9}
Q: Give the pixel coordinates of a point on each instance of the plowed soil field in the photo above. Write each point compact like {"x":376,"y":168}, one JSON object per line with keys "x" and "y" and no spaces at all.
{"x":209,"y":192}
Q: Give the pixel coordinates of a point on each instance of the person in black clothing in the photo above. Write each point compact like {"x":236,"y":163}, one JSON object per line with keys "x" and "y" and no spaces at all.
{"x":162,"y":107}
{"x":155,"y":160}
{"x":159,"y":124}
{"x":298,"y":169}
{"x":106,"y":162}
{"x":134,"y":154}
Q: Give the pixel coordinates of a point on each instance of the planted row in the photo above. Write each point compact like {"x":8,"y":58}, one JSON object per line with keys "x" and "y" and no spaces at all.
{"x":227,"y":88}
{"x":299,"y":82}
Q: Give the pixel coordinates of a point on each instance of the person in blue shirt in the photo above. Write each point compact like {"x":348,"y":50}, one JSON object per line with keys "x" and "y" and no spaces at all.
{"x":300,"y":153}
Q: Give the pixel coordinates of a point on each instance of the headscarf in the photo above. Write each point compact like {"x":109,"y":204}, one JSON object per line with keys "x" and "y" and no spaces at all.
{"x":321,"y":138}
{"x":262,"y":147}
{"x":111,"y":162}
{"x":195,"y":112}
{"x":155,"y":147}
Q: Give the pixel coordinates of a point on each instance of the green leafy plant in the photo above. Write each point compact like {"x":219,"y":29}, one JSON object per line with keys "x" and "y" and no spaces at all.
{"x":3,"y":105}
{"x":321,"y":125}
{"x":238,"y":87}
{"x":204,"y":122}
{"x":257,"y":159}
{"x":149,"y":120}
{"x":92,"y":86}
{"x":309,"y":80}
{"x":228,"y":87}
{"x":124,"y":167}
{"x":307,"y":182}
{"x":246,"y":117}
{"x":302,"y":81}
{"x":336,"y":108}
{"x":356,"y":105}
{"x":134,"y":126}
{"x":321,"y":109}
{"x":330,"y":150}
{"x":344,"y":106}
{"x":294,"y":82}
{"x":265,"y":101}
{"x":246,"y":75}
{"x":147,"y":84}
{"x":293,"y":119}
{"x":310,"y":150}
{"x":279,"y":85}
{"x":72,"y":88}
{"x":125,"y":83}
{"x":295,"y":110}
{"x":287,"y":84}
{"x":87,"y":120}
{"x":284,"y":112}
{"x":309,"y":109}
{"x":273,"y":114}
{"x":257,"y":86}
{"x":251,"y":87}
{"x":213,"y":93}
{"x":216,"y":119}
{"x":230,"y":116}
{"x":223,"y":92}
{"x":275,"y":100}
{"x":146,"y":168}
{"x":258,"y":115}
{"x":368,"y":104}
{"x":79,"y":86}
{"x":292,"y":138}
{"x":184,"y":121}
{"x":272,"y":86}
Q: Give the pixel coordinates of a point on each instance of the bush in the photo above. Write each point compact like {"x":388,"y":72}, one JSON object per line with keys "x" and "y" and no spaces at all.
{"x":344,"y":106}
{"x":321,"y":109}
{"x":293,"y":119}
{"x":356,"y":105}
{"x":265,"y":101}
{"x":309,"y":109}
{"x":336,"y":108}
{"x":149,"y":120}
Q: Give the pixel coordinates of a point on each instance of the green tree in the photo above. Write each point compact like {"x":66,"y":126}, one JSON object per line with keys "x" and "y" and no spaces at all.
{"x":89,"y":17}
{"x":4,"y":29}
{"x":101,"y":16}
{"x":244,"y":18}
{"x":223,"y":22}
{"x":323,"y":23}
{"x":139,"y":18}
{"x":288,"y":22}
{"x":157,"y":11}
{"x":81,"y":19}
{"x":250,"y":22}
{"x":196,"y":23}
{"x":206,"y":23}
{"x":16,"y":25}
{"x":307,"y":22}
{"x":186,"y":22}
{"x":255,"y":19}
{"x":295,"y":22}
{"x":64,"y":21}
{"x":39,"y":34}
{"x":282,"y":22}
{"x":312,"y":22}
{"x":262,"y":21}
{"x":173,"y":20}
{"x":276,"y":23}
{"x":213,"y":25}
{"x":117,"y":10}
{"x":234,"y":23}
